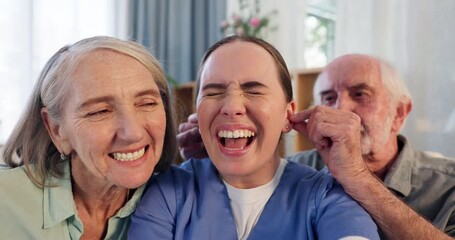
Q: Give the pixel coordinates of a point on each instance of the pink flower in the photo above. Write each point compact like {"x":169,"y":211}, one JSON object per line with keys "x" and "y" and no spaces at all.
{"x":255,"y":22}
{"x":224,"y":25}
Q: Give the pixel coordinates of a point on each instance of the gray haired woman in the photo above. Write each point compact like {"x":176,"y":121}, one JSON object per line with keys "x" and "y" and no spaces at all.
{"x":97,"y":126}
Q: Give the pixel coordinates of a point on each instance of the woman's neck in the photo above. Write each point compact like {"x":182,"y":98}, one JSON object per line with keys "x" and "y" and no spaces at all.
{"x":97,"y":203}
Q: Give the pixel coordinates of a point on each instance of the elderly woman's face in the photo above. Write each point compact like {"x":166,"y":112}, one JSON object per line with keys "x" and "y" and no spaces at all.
{"x":114,"y":120}
{"x":242,"y":112}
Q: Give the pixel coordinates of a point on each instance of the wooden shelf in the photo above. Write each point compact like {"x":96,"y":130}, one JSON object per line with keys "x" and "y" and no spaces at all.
{"x":184,"y":101}
{"x":304,"y":83}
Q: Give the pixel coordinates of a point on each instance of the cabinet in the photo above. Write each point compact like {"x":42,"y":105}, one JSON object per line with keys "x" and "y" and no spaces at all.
{"x":303,"y":93}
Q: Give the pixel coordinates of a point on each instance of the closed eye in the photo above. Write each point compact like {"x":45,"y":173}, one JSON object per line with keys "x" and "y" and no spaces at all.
{"x":99,"y":115}
{"x":212,"y":93}
{"x":100,"y":112}
{"x":149,"y":104}
{"x":252,"y":92}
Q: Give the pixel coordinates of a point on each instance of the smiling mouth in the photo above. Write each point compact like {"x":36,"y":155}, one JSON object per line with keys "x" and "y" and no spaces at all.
{"x":129,"y":156}
{"x":237,"y":139}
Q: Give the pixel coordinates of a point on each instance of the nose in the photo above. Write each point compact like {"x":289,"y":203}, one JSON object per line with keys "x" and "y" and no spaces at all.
{"x":345,"y":103}
{"x":233,"y":105}
{"x":130,"y":128}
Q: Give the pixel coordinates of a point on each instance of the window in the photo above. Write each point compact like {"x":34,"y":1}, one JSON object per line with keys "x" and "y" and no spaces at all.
{"x":31,"y":32}
{"x":319,"y":33}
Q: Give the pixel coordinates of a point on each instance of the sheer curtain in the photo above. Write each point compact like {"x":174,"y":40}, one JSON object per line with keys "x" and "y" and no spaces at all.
{"x":32,"y":30}
{"x":177,"y":32}
{"x":415,"y":36}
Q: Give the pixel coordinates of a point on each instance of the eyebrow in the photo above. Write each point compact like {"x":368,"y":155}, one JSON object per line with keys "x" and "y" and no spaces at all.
{"x":243,"y":86}
{"x":355,"y":87}
{"x":361,"y":86}
{"x":214,"y":86}
{"x":152,"y":92}
{"x":251,"y":84}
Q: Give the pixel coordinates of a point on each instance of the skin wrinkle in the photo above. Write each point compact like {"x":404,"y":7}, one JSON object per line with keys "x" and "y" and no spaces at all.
{"x":343,"y":79}
{"x":104,"y":114}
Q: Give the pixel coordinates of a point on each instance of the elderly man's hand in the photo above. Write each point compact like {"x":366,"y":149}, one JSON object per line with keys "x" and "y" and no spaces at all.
{"x":189,"y":139}
{"x":336,"y":134}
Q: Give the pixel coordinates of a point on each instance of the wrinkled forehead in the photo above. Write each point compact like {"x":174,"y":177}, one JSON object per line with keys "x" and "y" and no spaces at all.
{"x":345,"y":73}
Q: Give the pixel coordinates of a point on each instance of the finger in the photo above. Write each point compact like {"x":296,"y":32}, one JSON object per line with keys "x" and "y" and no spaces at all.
{"x":183,"y":127}
{"x":302,"y":116}
{"x":189,"y":137}
{"x":300,"y":120}
{"x":192,"y":118}
{"x":301,"y":128}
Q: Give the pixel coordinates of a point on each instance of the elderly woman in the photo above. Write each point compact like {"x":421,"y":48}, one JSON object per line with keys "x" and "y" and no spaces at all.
{"x":244,"y":190}
{"x":91,"y":136}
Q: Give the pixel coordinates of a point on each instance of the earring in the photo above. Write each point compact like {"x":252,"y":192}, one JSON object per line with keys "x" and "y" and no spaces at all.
{"x":287,"y":127}
{"x":63,"y":157}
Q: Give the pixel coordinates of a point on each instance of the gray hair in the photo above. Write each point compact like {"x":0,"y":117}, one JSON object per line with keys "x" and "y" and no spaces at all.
{"x":394,"y":84}
{"x":30,"y":144}
{"x":390,"y":77}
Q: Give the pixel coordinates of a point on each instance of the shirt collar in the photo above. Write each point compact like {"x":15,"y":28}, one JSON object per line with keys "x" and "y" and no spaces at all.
{"x":399,"y":175}
{"x":58,"y":201}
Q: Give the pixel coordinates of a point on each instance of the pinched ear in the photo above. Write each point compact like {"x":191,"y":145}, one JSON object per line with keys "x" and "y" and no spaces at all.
{"x":55,"y":132}
{"x":290,"y":109}
{"x":402,"y":111}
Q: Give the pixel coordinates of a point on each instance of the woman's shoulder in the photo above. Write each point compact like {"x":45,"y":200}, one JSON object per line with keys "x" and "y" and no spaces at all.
{"x":170,"y":182}
{"x":12,"y":178}
{"x":184,"y":177}
{"x":305,"y":178}
{"x":21,"y":198}
{"x":307,"y":173}
{"x":198,"y":165}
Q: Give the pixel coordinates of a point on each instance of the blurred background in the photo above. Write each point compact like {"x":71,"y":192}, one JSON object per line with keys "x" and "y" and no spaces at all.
{"x":415,"y":36}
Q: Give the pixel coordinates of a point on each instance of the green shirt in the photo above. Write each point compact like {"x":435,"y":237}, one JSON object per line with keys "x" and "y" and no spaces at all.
{"x":422,"y":180}
{"x":30,"y":212}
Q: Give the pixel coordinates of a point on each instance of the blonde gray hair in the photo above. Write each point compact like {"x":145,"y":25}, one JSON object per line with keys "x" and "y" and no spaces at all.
{"x":30,"y":144}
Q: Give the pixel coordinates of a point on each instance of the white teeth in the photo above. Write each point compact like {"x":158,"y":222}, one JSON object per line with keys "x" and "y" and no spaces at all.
{"x":236,"y":134}
{"x":131,"y":156}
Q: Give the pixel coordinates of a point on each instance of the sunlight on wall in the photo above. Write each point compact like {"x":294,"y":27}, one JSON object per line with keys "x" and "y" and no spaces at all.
{"x":31,"y":32}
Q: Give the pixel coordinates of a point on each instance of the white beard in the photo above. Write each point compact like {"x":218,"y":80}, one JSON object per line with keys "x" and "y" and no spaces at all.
{"x":369,"y":143}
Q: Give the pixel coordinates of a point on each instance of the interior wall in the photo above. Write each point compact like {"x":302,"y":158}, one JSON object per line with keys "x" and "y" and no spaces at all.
{"x":415,"y":36}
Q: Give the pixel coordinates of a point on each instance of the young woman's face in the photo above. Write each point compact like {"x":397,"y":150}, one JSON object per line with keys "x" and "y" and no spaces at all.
{"x":242,"y":111}
{"x":114,"y":120}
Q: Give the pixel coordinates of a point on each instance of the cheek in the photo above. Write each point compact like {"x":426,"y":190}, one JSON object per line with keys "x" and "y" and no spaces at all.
{"x":89,"y":132}
{"x":89,"y":139}
{"x":156,"y":123}
{"x":205,"y":112}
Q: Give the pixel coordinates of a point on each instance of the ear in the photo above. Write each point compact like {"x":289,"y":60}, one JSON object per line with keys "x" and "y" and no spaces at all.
{"x":402,"y":111}
{"x":55,"y":132}
{"x":290,"y":109}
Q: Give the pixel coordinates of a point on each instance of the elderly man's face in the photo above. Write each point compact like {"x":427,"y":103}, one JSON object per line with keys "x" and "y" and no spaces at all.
{"x":354,"y":84}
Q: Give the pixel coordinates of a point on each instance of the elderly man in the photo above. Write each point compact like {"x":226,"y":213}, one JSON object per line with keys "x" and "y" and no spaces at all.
{"x":362,"y":106}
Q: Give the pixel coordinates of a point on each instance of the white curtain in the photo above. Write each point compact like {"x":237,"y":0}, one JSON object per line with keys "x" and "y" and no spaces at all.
{"x":32,"y":30}
{"x":417,"y":37}
{"x":288,"y":37}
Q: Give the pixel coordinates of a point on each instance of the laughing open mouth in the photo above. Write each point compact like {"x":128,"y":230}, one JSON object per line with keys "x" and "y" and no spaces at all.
{"x":130,"y":156}
{"x":237,"y":139}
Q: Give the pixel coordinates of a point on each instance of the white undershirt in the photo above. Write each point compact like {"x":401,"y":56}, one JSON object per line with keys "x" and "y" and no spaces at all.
{"x":247,"y":204}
